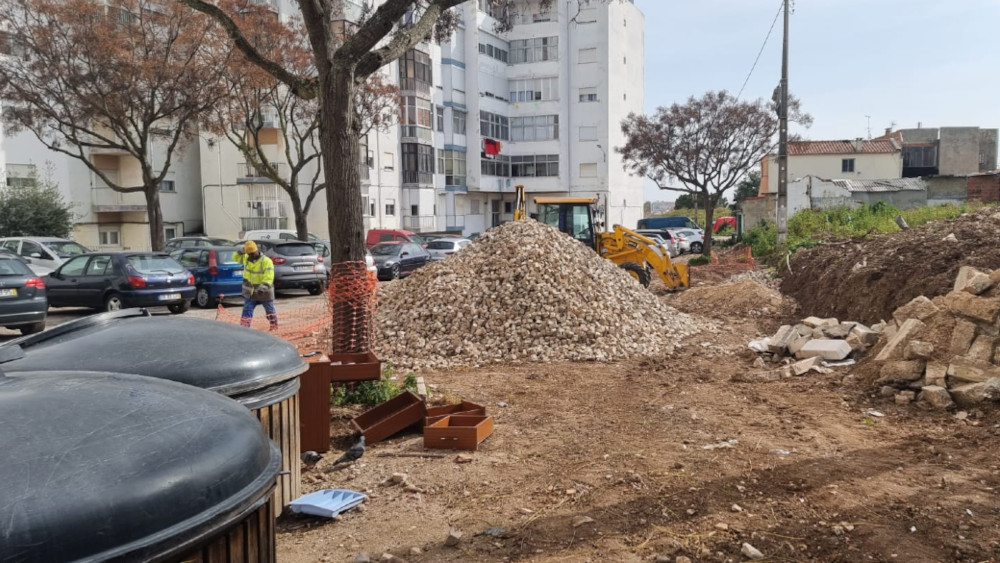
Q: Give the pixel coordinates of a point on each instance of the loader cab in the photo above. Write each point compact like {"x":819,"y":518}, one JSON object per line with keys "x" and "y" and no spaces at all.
{"x":571,"y":215}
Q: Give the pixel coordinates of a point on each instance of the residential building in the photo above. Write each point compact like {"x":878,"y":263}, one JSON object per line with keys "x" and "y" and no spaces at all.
{"x":946,"y":151}
{"x":849,"y":160}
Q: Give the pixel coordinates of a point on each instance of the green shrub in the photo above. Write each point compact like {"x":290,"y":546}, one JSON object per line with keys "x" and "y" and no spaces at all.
{"x":699,"y":260}
{"x":371,"y":393}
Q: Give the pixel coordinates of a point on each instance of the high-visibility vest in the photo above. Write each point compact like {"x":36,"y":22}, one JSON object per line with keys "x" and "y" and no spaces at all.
{"x":256,"y":273}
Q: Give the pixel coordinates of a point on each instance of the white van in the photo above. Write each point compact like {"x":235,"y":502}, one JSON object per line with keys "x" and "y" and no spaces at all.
{"x":277,"y":234}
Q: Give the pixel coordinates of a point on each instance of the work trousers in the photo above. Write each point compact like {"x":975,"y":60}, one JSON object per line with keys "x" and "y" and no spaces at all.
{"x":248,"y":307}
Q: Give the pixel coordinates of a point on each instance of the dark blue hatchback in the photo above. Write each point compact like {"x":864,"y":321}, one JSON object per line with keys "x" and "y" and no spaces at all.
{"x":216,"y":272}
{"x":117,"y":280}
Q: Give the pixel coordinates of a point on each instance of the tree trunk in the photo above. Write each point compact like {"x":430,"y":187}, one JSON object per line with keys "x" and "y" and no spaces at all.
{"x":340,"y":149}
{"x":301,"y":223}
{"x":710,"y":202}
{"x":157,"y":236}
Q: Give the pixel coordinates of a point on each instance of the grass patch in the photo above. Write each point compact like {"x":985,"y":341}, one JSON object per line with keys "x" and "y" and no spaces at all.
{"x":699,"y":260}
{"x":371,"y":393}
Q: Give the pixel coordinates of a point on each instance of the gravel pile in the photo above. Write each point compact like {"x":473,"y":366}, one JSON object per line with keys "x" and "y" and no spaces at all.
{"x":523,"y":292}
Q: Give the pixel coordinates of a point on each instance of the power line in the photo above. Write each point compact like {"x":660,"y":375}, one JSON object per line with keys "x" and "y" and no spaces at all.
{"x":761,"y":52}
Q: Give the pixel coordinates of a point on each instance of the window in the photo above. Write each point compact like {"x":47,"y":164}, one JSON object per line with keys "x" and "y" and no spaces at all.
{"x":10,"y":245}
{"x":453,"y":166}
{"x":534,"y":89}
{"x":588,"y":133}
{"x":588,"y":94}
{"x":588,"y":169}
{"x":388,"y":161}
{"x":588,"y":55}
{"x":534,"y":128}
{"x":31,"y":250}
{"x":458,"y":118}
{"x":414,"y":210}
{"x":416,"y":118}
{"x":415,"y":71}
{"x":534,"y":165}
{"x":847,"y":165}
{"x":75,"y":266}
{"x":508,"y":207}
{"x":491,"y":8}
{"x":494,"y":126}
{"x":390,"y":208}
{"x":418,"y":163}
{"x":534,"y":50}
{"x":189,"y":259}
{"x":440,"y":118}
{"x":498,"y":166}
{"x":493,"y":52}
{"x":167,"y":186}
{"x":371,"y":208}
{"x":170,"y":232}
{"x":98,"y":265}
{"x":920,"y":157}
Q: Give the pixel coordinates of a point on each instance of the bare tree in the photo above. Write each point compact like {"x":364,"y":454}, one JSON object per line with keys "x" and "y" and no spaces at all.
{"x":130,"y":78}
{"x":703,"y":147}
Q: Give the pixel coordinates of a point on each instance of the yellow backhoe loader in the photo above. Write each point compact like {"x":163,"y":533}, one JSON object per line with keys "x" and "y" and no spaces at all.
{"x":638,"y":255}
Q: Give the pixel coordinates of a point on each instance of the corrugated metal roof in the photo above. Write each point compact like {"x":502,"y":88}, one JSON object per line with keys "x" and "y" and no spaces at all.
{"x":841,"y":147}
{"x":887,"y":185}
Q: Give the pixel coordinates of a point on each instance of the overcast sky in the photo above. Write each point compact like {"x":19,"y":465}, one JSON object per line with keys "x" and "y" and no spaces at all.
{"x":899,"y":61}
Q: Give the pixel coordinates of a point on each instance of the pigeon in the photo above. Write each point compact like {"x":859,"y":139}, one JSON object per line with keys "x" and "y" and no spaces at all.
{"x":310,"y":457}
{"x":356,"y":451}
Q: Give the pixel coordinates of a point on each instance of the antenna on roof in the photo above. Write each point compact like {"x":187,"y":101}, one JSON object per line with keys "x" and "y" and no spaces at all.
{"x":869,"y":118}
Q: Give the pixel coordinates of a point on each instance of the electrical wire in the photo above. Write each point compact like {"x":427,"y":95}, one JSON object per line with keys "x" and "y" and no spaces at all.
{"x":761,"y":52}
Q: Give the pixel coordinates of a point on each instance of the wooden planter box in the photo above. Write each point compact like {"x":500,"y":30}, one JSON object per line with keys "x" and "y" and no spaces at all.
{"x":355,"y":367}
{"x":314,"y":405}
{"x":391,"y":417}
{"x":465,"y":408}
{"x":456,"y":432}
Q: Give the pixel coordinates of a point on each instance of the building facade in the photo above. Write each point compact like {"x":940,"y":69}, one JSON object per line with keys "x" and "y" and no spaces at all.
{"x":848,"y":160}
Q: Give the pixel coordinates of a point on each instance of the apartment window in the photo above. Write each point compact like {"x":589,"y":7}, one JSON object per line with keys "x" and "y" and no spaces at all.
{"x":588,"y":133}
{"x":453,"y":166}
{"x":170,"y":232}
{"x":371,"y":207}
{"x":458,"y":118}
{"x":588,"y":55}
{"x":367,"y":207}
{"x":588,"y":94}
{"x":508,"y":207}
{"x":416,"y":118}
{"x":21,"y":175}
{"x":415,"y":71}
{"x":534,"y":128}
{"x":491,"y":8}
{"x":497,"y":166}
{"x":537,"y":165}
{"x":110,"y":236}
{"x":534,"y":89}
{"x":440,"y":119}
{"x":414,"y":210}
{"x":390,"y":208}
{"x":167,"y":186}
{"x":418,"y":163}
{"x":494,"y":126}
{"x":388,"y":161}
{"x":847,"y":165}
{"x":588,"y":169}
{"x":534,"y":50}
{"x":920,"y":157}
{"x":493,"y":52}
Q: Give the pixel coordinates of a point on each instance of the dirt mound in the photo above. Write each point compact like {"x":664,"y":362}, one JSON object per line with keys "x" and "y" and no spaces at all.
{"x":867,"y":279}
{"x":523,"y":292}
{"x":743,"y":297}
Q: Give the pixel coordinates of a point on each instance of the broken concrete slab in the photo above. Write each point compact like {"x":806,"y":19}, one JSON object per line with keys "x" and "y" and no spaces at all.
{"x":855,"y":343}
{"x":812,"y":322}
{"x":965,"y":273}
{"x":825,"y":348}
{"x":962,"y":337}
{"x":889,"y":330}
{"x":805,"y":366}
{"x":803,"y":330}
{"x":974,"y":394}
{"x":918,"y":308}
{"x":893,"y":350}
{"x":976,"y":308}
{"x":936,"y":396}
{"x":905,"y":397}
{"x":982,"y":348}
{"x":901,"y":371}
{"x":968,"y":370}
{"x":867,"y":336}
{"x":978,"y":284}
{"x":840,"y":330}
{"x":779,"y":342}
{"x":917,"y":350}
{"x":936,"y":374}
{"x":795,"y":345}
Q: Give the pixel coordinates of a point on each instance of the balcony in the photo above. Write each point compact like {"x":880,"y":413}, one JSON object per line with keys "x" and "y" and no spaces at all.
{"x":454,"y":223}
{"x":248,"y":173}
{"x":420,"y":223}
{"x":414,"y":85}
{"x":409,"y":133}
{"x":540,"y":17}
{"x":415,"y":177}
{"x":106,"y":200}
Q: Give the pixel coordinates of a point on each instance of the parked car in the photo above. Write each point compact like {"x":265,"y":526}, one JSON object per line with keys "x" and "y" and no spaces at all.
{"x":119,"y":280}
{"x":45,"y":252}
{"x":689,"y":240}
{"x":40,"y":271}
{"x":663,"y":235}
{"x":398,"y":259}
{"x":276,"y":235}
{"x":444,"y":247}
{"x":23,"y":303}
{"x":723,"y":222}
{"x":297,"y":265}
{"x":216,"y":273}
{"x":324,"y":251}
{"x":193,"y":242}
{"x":376,"y":236}
{"x":673,"y":222}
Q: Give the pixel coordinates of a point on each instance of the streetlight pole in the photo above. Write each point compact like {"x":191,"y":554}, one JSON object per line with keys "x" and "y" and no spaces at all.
{"x":783,"y":141}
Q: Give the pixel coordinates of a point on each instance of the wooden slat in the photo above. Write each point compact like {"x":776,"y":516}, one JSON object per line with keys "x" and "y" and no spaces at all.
{"x":248,"y":541}
{"x":281,"y":423}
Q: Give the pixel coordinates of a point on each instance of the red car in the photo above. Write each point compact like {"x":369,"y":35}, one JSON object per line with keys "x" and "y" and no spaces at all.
{"x":722,"y":221}
{"x":376,"y":236}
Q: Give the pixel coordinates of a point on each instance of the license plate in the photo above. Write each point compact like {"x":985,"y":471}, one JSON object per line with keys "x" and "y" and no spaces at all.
{"x":303,"y":268}
{"x":169,"y":297}
{"x":237,"y":273}
{"x":8,"y":293}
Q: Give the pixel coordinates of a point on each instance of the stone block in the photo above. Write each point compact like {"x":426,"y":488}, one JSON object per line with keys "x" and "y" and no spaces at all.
{"x":936,"y":396}
{"x":901,"y":371}
{"x":855,"y":343}
{"x":962,"y":337}
{"x":978,"y":284}
{"x":812,"y":322}
{"x":967,"y":370}
{"x":965,"y":274}
{"x":904,"y":398}
{"x":889,"y":330}
{"x":779,"y":342}
{"x":803,"y":367}
{"x":803,"y":330}
{"x":918,"y":308}
{"x":982,"y":348}
{"x":917,"y":350}
{"x":980,"y":309}
{"x":893,"y":349}
{"x":840,"y":330}
{"x":936,"y":374}
{"x":795,"y":345}
{"x":832,"y":350}
{"x":867,"y":336}
{"x":973,"y":394}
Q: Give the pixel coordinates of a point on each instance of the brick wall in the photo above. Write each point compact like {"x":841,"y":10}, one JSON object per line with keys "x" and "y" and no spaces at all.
{"x":984,"y":188}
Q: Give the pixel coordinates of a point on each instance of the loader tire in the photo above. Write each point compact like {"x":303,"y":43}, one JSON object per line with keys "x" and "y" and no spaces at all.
{"x":637,"y":271}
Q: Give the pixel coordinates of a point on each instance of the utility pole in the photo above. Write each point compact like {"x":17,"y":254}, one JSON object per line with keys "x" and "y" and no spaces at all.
{"x":783,"y":141}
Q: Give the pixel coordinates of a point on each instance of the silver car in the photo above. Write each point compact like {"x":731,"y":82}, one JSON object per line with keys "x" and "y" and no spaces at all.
{"x":43,"y":254}
{"x":297,"y":265}
{"x":441,"y":248}
{"x":664,"y":238}
{"x":689,"y":240}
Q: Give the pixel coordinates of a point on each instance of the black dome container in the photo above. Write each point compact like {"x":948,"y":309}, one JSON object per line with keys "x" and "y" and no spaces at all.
{"x":100,"y":466}
{"x":256,"y":369}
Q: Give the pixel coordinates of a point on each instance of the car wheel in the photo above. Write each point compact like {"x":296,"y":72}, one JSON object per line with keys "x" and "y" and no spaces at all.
{"x":316,"y":289}
{"x":696,"y":248}
{"x":113,"y":303}
{"x":32,"y":328}
{"x":179,"y":308}
{"x":205,"y":299}
{"x":394,"y":273}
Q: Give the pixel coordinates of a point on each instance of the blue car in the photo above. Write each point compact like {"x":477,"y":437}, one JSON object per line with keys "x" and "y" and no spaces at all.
{"x":216,"y":272}
{"x":119,"y":280}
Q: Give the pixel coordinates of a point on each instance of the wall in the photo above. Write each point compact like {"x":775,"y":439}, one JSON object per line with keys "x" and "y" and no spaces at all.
{"x":984,"y":188}
{"x":945,"y":189}
{"x":866,"y":167}
{"x":958,"y":152}
{"x":903,"y":199}
{"x":758,"y":209}
{"x":988,"y":148}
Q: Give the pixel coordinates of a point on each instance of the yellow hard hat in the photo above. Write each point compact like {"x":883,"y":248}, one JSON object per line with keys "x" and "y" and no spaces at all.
{"x":250,"y":247}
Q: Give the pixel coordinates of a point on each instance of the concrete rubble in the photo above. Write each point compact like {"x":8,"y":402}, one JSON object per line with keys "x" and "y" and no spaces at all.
{"x":814,"y":345}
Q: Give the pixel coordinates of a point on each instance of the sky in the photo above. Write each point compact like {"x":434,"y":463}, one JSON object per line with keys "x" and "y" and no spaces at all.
{"x":936,"y":62}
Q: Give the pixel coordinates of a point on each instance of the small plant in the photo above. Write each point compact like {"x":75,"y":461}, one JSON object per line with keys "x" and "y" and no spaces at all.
{"x":699,"y":260}
{"x":371,"y":393}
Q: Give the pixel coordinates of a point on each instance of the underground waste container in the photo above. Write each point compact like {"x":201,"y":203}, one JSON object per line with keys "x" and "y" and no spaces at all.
{"x":100,"y":466}
{"x":256,"y":369}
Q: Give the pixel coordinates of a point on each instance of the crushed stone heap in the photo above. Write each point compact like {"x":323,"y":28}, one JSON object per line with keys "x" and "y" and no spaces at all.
{"x":523,"y":292}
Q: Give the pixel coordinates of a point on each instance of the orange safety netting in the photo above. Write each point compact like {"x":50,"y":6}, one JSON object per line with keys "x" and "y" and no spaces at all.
{"x":343,"y":322}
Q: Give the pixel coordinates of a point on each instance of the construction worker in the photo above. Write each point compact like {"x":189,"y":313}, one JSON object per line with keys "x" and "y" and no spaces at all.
{"x":258,"y":283}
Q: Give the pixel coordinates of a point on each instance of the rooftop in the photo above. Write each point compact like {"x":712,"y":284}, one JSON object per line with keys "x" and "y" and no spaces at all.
{"x":875,"y":146}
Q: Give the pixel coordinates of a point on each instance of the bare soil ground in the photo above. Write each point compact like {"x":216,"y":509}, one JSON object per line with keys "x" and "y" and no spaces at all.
{"x":812,"y":476}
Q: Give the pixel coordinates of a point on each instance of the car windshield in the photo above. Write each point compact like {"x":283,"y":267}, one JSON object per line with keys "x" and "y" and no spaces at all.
{"x":66,"y":248}
{"x":299,"y":249}
{"x":13,"y":267}
{"x":155,"y":264}
{"x":385,"y":249}
{"x":225,"y":257}
{"x":221,"y":242}
{"x":440,"y":245}
{"x":418,"y":239}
